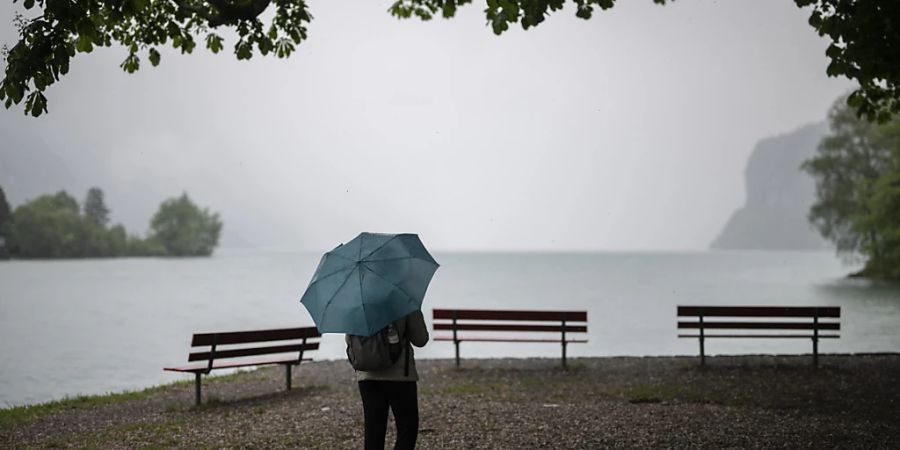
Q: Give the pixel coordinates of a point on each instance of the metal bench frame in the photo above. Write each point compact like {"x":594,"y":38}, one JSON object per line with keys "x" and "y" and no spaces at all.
{"x":459,"y":320}
{"x":810,"y":325}
{"x":228,"y":350}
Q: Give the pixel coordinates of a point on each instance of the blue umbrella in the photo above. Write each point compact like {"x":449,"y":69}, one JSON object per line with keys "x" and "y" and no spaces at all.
{"x":362,"y":286}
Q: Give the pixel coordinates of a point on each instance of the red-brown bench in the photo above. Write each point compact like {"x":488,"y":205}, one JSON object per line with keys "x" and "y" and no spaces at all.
{"x":229,"y":350}
{"x":462,"y":321}
{"x":797,"y":322}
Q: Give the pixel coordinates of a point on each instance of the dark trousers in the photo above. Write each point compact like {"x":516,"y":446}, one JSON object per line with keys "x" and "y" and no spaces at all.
{"x":402,"y":399}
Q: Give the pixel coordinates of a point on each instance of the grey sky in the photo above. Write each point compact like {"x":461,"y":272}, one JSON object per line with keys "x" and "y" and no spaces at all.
{"x":628,"y":131}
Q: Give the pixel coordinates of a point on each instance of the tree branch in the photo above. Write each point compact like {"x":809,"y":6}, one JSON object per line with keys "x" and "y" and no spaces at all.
{"x":241,"y":9}
{"x":214,"y":20}
{"x":227,"y":12}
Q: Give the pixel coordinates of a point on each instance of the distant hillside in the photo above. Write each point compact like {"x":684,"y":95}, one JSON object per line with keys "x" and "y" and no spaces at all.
{"x":778,"y":196}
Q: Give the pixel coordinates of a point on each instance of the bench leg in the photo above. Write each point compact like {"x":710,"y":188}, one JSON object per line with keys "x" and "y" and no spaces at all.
{"x":456,"y":343}
{"x":815,"y":352}
{"x":197,"y":388}
{"x":702,"y":353}
{"x":287,"y":376}
{"x":564,"y":354}
{"x":702,"y":336}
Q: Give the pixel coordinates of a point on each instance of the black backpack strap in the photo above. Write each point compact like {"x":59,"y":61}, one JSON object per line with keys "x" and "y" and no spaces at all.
{"x":407,"y":347}
{"x":408,"y":351}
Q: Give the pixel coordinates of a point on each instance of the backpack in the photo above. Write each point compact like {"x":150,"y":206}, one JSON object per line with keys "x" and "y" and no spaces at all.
{"x":376,"y":352}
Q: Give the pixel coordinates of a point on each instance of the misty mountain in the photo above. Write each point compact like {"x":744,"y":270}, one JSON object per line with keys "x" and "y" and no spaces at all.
{"x":779,"y":195}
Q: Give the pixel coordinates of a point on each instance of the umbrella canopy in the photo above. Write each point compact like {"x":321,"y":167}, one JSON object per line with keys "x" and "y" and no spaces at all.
{"x":362,"y":286}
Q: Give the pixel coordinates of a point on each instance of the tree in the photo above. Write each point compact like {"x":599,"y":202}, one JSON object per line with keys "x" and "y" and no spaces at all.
{"x":864,"y":43}
{"x":4,"y":212}
{"x":857,"y":176}
{"x":182,"y":229}
{"x":47,"y":43}
{"x":865,"y":47}
{"x":94,"y":207}
{"x":884,"y":216}
{"x":52,"y":226}
{"x":49,"y":226}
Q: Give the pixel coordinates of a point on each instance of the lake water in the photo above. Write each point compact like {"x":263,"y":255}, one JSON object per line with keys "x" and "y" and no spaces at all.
{"x":96,"y":326}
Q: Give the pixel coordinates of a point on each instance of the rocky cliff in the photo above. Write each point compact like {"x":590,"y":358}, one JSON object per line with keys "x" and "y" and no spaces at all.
{"x":779,"y":195}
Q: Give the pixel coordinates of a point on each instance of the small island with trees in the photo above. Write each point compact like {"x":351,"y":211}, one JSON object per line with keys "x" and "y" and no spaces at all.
{"x":55,"y":226}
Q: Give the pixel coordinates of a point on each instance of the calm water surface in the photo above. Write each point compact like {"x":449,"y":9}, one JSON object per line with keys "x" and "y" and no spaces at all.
{"x":96,"y":326}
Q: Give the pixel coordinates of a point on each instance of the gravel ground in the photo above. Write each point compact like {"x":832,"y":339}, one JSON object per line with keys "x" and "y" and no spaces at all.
{"x":657,"y":402}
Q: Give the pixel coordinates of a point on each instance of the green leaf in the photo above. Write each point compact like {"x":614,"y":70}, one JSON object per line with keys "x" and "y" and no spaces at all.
{"x":36,"y":104}
{"x":448,"y":10}
{"x":584,"y":12}
{"x":131,"y":64}
{"x":84,"y":45}
{"x":187,"y":44}
{"x":815,"y":20}
{"x":214,"y":42}
{"x":153,"y":57}
{"x":243,"y":50}
{"x":264,"y":46}
{"x":834,"y":69}
{"x":283,"y":48}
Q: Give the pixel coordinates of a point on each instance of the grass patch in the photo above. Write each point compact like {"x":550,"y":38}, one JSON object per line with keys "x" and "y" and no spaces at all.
{"x":469,"y":388}
{"x":144,"y":435}
{"x":27,"y":413}
{"x":652,"y":393}
{"x":140,"y":435}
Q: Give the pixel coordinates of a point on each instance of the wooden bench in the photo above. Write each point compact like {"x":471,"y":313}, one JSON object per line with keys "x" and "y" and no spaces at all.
{"x":230,"y":350}
{"x":462,"y":321}
{"x":803,"y":322}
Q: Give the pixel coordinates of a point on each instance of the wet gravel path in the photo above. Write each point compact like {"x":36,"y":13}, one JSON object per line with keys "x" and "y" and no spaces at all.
{"x":736,"y":402}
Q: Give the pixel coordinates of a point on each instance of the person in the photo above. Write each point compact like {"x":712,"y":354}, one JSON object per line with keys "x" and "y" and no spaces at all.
{"x":394,"y":388}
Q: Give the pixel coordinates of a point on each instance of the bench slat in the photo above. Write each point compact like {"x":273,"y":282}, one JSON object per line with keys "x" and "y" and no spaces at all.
{"x":486,"y":314}
{"x":510,"y":327}
{"x":762,"y":325}
{"x":486,"y":339}
{"x":246,"y":337}
{"x":194,"y":368}
{"x":237,"y":353}
{"x":805,"y":336}
{"x":760,"y":311}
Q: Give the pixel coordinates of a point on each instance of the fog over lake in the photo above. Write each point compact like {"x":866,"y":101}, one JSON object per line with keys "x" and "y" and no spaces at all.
{"x":628,"y":131}
{"x":87,"y":327}
{"x":578,"y":165}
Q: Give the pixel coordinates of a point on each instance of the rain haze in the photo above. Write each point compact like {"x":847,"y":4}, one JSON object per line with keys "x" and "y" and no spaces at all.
{"x":630,"y":131}
{"x":534,"y":240}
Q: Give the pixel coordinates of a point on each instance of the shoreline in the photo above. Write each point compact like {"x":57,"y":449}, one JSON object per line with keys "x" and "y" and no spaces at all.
{"x":74,"y":399}
{"x":851,"y":401}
